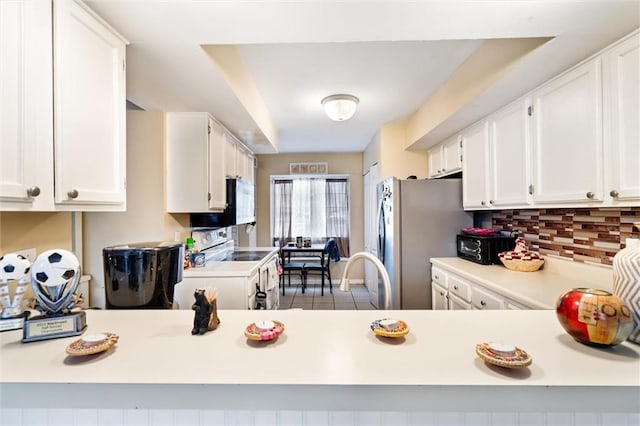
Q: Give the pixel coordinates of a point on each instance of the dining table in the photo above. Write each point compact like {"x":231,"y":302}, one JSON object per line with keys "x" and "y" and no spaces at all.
{"x":292,"y":249}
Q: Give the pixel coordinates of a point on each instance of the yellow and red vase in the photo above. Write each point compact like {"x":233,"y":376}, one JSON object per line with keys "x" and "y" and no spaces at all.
{"x":595,"y":317}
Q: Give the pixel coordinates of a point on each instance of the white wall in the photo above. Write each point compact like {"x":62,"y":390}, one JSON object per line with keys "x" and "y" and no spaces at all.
{"x":145,"y":219}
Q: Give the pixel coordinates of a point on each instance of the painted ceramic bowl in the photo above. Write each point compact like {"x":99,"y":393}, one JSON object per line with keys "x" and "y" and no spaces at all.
{"x":595,"y":317}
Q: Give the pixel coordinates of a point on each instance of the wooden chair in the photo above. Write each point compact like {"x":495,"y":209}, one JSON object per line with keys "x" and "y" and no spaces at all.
{"x":323,"y":268}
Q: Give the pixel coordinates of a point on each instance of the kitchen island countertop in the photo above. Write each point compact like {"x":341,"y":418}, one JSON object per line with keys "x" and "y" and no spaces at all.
{"x":322,"y":351}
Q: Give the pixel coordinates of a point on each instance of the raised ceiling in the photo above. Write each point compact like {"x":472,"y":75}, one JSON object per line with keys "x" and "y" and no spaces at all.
{"x":393,"y":55}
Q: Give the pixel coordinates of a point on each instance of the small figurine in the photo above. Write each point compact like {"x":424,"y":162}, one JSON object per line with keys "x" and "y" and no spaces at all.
{"x":206,"y":311}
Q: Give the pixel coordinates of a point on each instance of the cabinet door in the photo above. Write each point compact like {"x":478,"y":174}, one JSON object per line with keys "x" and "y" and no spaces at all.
{"x":89,"y":102}
{"x":474,"y":166}
{"x":434,"y":158}
{"x":217,"y":188}
{"x":26,"y":106}
{"x":439,"y":297}
{"x":452,"y":155}
{"x":623,"y":84}
{"x":567,"y":138}
{"x":187,"y":160}
{"x":230,"y":153}
{"x":251,"y":169}
{"x":509,"y":147}
{"x":241,"y":162}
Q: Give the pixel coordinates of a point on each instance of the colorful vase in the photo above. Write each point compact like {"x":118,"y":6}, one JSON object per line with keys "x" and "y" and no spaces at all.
{"x":595,"y":317}
{"x":626,"y":282}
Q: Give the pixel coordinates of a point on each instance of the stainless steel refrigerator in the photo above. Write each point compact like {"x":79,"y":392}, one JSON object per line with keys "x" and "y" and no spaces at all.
{"x":417,"y":220}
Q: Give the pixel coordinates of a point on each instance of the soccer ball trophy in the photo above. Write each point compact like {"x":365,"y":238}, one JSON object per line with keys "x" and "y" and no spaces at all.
{"x":13,"y":267}
{"x":54,"y":278}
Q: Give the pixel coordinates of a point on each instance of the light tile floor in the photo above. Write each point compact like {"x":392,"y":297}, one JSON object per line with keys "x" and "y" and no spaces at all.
{"x":356,"y":299}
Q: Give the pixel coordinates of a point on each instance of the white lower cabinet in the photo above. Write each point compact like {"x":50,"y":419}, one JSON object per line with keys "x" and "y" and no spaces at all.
{"x":451,"y":291}
{"x":233,"y":292}
{"x":439,"y":297}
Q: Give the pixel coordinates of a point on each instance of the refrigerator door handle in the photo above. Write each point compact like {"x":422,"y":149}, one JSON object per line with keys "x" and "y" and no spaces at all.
{"x":381,"y":232}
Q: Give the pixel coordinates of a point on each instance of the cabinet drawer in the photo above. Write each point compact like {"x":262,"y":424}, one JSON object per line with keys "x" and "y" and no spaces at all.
{"x":439,"y":276}
{"x":460,"y":287}
{"x":482,"y":299}
{"x":456,"y":303}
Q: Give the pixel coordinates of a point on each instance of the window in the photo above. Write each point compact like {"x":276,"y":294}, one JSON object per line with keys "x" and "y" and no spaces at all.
{"x":311,"y":207}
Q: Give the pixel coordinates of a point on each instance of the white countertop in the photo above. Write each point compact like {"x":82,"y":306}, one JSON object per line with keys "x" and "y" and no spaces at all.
{"x":321,"y":348}
{"x":231,"y":268}
{"x":539,"y":289}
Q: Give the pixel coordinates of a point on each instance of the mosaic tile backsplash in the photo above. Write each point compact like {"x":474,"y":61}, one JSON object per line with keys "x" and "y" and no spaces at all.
{"x":583,"y":235}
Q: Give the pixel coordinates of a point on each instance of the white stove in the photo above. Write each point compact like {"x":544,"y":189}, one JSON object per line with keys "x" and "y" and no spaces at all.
{"x":218,"y":248}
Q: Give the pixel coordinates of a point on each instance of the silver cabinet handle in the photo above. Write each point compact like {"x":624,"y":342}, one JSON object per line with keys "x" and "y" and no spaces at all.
{"x":590,"y":195}
{"x":34,"y":191}
{"x":614,"y":193}
{"x":73,"y":194}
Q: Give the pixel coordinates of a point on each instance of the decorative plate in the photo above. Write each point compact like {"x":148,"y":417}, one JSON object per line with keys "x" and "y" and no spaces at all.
{"x":480,"y":231}
{"x":254,"y":332}
{"x":92,"y":344}
{"x":496,"y":354}
{"x":400,"y":329}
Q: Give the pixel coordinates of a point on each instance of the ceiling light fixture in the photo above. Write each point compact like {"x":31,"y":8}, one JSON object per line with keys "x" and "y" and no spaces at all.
{"x":340,"y":107}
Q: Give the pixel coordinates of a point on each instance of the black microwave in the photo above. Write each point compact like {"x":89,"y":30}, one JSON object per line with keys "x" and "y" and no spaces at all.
{"x":483,"y":249}
{"x":240,"y":208}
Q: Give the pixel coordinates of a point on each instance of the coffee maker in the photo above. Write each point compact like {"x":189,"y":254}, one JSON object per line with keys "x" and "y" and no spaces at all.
{"x":142,"y":275}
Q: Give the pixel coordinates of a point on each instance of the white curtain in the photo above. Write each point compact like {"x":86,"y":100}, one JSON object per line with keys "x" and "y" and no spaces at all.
{"x":308,"y":206}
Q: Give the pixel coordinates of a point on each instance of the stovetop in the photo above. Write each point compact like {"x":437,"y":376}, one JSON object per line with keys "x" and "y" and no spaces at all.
{"x":244,"y":256}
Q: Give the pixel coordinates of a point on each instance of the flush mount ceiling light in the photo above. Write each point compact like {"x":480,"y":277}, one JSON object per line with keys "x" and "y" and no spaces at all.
{"x":340,"y":107}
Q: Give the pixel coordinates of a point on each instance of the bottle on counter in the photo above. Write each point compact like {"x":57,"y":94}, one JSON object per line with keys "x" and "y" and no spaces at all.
{"x":187,"y":253}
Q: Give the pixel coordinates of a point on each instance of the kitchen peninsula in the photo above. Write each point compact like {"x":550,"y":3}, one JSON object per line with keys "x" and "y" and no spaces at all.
{"x":324,"y":361}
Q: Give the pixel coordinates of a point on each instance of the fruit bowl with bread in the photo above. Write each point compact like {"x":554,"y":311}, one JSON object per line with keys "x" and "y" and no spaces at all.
{"x":520,"y":259}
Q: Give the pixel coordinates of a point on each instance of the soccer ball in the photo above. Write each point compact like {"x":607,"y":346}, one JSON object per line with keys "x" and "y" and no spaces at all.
{"x":55,"y":267}
{"x":14,"y":266}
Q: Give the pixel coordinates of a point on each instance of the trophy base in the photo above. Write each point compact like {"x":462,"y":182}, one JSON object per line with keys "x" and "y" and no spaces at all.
{"x":44,"y":327}
{"x":13,"y":323}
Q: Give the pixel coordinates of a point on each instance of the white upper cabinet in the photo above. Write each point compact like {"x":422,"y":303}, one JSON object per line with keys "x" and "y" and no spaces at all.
{"x":434,"y":161}
{"x":445,"y":158}
{"x":26,"y":106}
{"x":230,"y":152}
{"x":239,"y":160}
{"x":622,"y":87}
{"x":509,"y":162}
{"x":452,"y":155}
{"x":217,"y":187}
{"x":90,"y":103}
{"x":62,"y":86}
{"x":568,"y":138}
{"x":475,"y":152}
{"x":195,"y":181}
